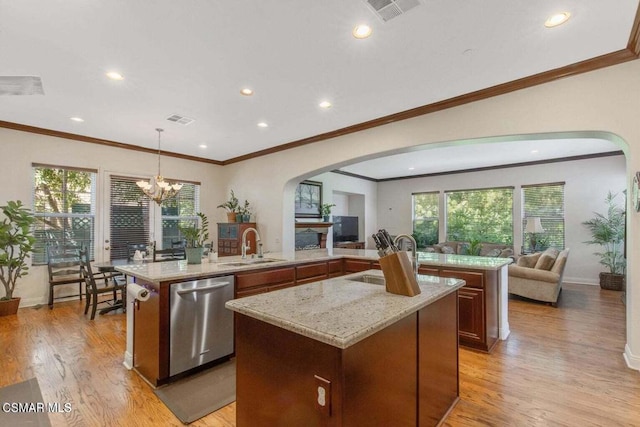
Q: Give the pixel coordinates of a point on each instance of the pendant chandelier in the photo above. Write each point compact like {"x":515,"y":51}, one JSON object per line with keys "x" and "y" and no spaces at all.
{"x":157,"y":189}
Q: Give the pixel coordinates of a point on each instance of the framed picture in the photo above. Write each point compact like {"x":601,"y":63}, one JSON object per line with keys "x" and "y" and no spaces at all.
{"x":308,"y":199}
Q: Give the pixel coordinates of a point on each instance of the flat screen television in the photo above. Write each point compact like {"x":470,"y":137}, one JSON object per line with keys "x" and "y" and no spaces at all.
{"x":345,"y":229}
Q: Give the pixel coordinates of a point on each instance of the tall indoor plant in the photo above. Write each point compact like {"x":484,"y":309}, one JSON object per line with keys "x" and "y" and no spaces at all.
{"x":16,"y":245}
{"x":196,"y":237}
{"x":608,"y":232}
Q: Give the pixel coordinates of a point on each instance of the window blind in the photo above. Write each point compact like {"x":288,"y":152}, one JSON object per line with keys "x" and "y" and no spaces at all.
{"x":180,"y":211}
{"x":129,"y":216}
{"x":545,"y":201}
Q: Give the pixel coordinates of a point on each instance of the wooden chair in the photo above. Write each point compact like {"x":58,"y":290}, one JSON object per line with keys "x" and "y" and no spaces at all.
{"x":170,"y":254}
{"x":63,"y":266}
{"x":94,"y":290}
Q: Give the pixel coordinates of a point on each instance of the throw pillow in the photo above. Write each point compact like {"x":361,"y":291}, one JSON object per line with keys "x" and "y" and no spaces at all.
{"x":506,"y":253}
{"x":494,"y":252}
{"x":447,"y":250}
{"x":529,"y":261}
{"x":547,"y":259}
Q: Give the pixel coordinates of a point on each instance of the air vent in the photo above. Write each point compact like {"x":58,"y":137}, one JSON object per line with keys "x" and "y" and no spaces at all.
{"x":389,"y":9}
{"x":21,"y":85}
{"x":176,"y":118}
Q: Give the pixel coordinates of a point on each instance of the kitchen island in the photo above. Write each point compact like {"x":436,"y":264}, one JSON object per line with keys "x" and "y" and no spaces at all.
{"x":343,"y":352}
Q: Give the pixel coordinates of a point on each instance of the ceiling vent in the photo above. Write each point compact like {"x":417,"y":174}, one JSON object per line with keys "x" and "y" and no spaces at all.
{"x":389,"y":9}
{"x":21,"y":85}
{"x":182,"y":120}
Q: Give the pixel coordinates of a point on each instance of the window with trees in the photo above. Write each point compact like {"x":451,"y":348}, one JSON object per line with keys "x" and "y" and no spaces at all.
{"x":484,"y":215}
{"x":64,"y":206}
{"x":545,"y":201}
{"x":426,"y":210}
{"x":182,"y":211}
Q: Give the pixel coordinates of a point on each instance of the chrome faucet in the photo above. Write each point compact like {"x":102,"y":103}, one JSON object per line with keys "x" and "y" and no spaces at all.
{"x":414,"y":252}
{"x":244,"y":242}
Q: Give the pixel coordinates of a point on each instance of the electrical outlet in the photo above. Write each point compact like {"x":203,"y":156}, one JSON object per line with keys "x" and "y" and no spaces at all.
{"x":323,"y":395}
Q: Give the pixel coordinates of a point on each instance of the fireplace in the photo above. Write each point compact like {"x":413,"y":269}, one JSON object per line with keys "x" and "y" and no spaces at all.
{"x":311,"y":235}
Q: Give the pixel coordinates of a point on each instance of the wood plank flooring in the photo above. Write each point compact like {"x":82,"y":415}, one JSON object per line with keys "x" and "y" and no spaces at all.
{"x":559,"y":367}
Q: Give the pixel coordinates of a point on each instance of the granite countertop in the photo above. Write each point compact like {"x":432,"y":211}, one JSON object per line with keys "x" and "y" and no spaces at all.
{"x":341,"y":312}
{"x":175,"y":270}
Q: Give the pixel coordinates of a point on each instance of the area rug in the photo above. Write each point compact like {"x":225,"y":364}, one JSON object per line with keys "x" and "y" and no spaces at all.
{"x":22,"y":405}
{"x":201,"y":394}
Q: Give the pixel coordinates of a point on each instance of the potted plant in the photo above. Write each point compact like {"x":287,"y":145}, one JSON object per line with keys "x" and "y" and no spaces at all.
{"x":195,"y":238}
{"x":16,"y":245}
{"x":244,"y":212}
{"x":325,"y":211}
{"x":232,"y":206}
{"x":608,"y":232}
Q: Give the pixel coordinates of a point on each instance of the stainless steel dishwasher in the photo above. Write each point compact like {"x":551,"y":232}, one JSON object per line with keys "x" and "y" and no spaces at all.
{"x":201,"y":327}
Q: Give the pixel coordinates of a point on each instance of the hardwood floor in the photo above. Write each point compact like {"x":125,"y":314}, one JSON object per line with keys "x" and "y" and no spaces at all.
{"x":560,"y":367}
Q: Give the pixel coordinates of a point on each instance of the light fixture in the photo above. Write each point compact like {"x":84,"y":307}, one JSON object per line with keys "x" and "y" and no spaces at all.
{"x":157,"y":189}
{"x":534,"y":151}
{"x":77,"y":119}
{"x":263,"y":125}
{"x":325,"y":104}
{"x":113,"y":75}
{"x":411,"y":168}
{"x":557,"y":19}
{"x":246,"y":91}
{"x":361,"y":31}
{"x":203,"y":145}
{"x":534,"y":228}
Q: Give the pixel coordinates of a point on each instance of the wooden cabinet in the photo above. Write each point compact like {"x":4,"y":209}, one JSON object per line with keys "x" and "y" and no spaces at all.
{"x":336,"y":267}
{"x":148,"y":342}
{"x":349,"y":245}
{"x":312,"y":272}
{"x":355,"y":265}
{"x":257,"y":282}
{"x":230,"y":238}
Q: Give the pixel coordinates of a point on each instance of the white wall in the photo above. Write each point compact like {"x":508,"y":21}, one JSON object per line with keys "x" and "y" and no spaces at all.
{"x":21,"y":149}
{"x":586,"y":185}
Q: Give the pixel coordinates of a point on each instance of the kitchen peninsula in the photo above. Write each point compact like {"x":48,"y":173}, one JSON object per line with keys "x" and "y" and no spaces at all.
{"x":345,"y":352}
{"x":150,"y":320}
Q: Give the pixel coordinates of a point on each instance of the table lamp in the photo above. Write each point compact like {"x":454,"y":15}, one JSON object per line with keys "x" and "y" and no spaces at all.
{"x":534,"y":228}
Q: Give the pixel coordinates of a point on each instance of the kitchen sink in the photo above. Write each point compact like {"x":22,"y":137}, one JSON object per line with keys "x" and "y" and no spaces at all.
{"x":251,"y":261}
{"x":368,"y":278}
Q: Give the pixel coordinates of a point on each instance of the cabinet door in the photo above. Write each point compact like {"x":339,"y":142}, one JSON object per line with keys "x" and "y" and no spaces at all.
{"x":428,"y":271}
{"x":311,"y":272}
{"x":472,"y":279}
{"x":336,"y":268}
{"x":356,"y":265}
{"x":471,"y":321}
{"x":146,"y":348}
{"x":260,"y":281}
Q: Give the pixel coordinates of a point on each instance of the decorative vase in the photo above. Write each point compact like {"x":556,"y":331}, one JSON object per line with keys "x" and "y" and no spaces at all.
{"x":9,"y":306}
{"x":326,"y":218}
{"x":231,"y":216}
{"x":194,"y":255}
{"x":240,"y":218}
{"x":246,"y":218}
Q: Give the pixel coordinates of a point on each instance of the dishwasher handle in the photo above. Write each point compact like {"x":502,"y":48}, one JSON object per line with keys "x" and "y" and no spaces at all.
{"x":207,"y":288}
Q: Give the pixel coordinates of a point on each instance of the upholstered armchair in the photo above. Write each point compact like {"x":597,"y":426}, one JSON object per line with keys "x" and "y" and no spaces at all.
{"x":539,"y":276}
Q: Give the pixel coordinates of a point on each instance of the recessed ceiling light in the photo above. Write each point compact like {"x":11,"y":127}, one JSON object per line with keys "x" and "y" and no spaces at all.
{"x":411,"y":168}
{"x":203,"y":145}
{"x":361,"y":31}
{"x":113,"y":75}
{"x":77,"y":119}
{"x":557,"y":19}
{"x":325,"y":104}
{"x":534,"y":151}
{"x":263,"y":125}
{"x":246,"y":91}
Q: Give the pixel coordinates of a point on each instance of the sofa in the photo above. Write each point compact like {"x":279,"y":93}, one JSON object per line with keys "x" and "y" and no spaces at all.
{"x":538,"y":276}
{"x":461,"y":248}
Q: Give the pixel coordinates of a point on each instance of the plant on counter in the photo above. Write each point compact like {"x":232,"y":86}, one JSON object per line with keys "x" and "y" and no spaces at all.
{"x":608,"y":232}
{"x":196,"y":236}
{"x":16,"y":245}
{"x":244,"y":212}
{"x":232,"y":206}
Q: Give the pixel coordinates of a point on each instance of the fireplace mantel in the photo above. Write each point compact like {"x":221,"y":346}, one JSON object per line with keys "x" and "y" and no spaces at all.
{"x":307,"y":224}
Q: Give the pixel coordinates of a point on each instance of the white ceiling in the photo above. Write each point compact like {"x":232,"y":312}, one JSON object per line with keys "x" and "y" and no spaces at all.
{"x":193,"y":57}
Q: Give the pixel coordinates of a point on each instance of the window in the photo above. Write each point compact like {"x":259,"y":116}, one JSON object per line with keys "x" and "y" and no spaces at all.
{"x":64,"y":207}
{"x":180,"y":211}
{"x":480,"y":215}
{"x":425,"y":218}
{"x":545,"y":201}
{"x":129,"y":216}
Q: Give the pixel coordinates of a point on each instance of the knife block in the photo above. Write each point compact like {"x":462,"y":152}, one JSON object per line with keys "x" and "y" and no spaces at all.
{"x":398,"y":274}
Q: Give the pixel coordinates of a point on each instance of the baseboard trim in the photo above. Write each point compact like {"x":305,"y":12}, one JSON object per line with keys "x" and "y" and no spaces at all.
{"x":128,"y":360}
{"x":633,"y":361}
{"x":580,"y":281}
